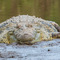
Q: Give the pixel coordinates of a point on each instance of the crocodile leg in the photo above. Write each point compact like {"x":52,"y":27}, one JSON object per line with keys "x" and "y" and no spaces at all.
{"x":56,"y":26}
{"x":56,"y":35}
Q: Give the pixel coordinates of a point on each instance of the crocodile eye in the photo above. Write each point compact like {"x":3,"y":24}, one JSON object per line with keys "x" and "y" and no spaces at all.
{"x":29,"y":25}
{"x":18,"y":26}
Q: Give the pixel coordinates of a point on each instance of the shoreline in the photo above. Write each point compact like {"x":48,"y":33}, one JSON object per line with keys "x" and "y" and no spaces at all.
{"x":43,"y":50}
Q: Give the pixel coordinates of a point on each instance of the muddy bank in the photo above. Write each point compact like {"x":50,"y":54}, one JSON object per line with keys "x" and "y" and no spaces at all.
{"x":45,"y":50}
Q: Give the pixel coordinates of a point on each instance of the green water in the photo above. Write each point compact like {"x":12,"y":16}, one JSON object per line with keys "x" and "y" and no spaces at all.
{"x":46,"y":9}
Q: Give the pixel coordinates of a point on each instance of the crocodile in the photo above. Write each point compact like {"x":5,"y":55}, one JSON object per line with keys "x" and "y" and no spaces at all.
{"x":25,"y":29}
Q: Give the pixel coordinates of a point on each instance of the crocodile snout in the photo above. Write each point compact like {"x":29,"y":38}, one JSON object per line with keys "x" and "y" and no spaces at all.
{"x":25,"y":35}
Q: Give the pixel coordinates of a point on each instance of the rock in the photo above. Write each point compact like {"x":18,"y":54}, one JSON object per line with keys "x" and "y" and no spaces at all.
{"x":48,"y":49}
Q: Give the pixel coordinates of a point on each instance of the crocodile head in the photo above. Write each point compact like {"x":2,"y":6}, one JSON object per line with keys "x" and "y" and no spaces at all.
{"x":25,"y":35}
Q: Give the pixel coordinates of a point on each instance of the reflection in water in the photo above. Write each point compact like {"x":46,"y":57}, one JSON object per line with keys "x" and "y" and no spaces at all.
{"x":46,"y":9}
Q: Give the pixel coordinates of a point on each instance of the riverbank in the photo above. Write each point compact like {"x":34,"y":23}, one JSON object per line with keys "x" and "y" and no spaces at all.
{"x":45,"y":50}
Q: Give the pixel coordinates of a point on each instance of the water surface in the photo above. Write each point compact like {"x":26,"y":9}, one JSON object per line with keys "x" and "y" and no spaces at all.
{"x":46,"y":9}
